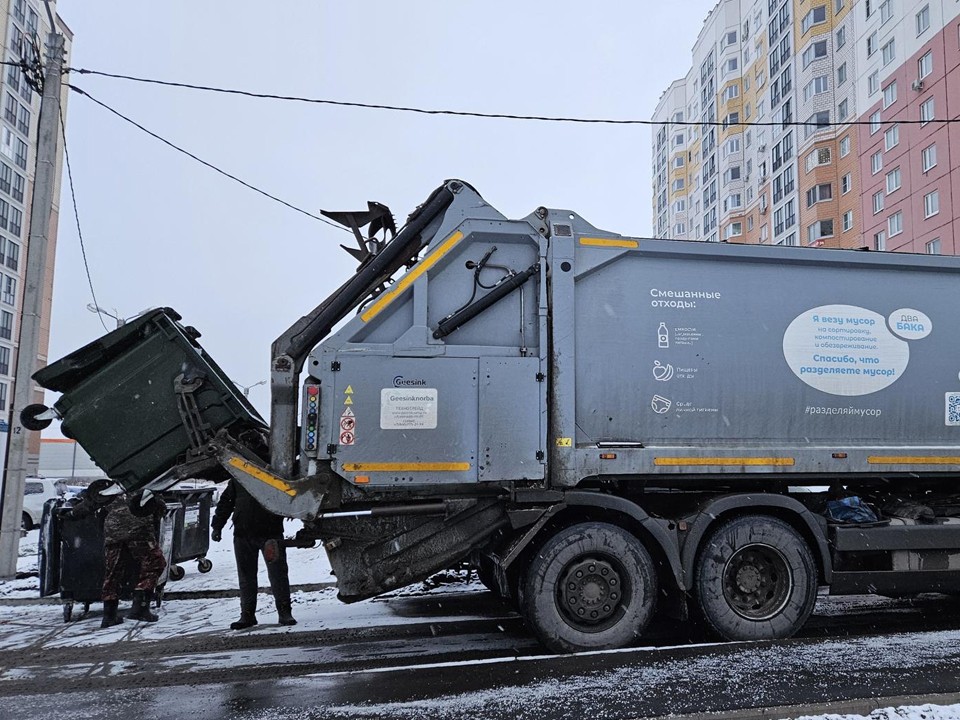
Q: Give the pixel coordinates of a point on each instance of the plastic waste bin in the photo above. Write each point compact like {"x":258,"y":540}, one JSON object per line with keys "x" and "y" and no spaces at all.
{"x":71,"y":557}
{"x":129,"y":398}
{"x":191,"y":534}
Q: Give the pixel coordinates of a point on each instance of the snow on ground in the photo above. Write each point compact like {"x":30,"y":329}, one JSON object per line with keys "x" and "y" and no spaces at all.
{"x":318,"y":609}
{"x":905,"y":712}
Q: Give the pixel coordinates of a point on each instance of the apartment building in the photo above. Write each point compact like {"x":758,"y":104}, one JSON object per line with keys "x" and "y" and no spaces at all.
{"x":814,"y":122}
{"x":24,"y":25}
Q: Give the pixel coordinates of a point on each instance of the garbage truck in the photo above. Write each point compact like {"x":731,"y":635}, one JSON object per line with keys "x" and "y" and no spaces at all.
{"x":604,"y":426}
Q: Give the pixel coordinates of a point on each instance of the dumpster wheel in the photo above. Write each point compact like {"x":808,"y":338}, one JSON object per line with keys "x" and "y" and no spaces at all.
{"x":204,"y":565}
{"x":176,"y":572}
{"x":67,"y":612}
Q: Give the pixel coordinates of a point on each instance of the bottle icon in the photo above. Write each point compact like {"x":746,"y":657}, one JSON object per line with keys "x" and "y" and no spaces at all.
{"x":663,"y":336}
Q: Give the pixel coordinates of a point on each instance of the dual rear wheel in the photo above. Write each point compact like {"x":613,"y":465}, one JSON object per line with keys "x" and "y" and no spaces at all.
{"x":594,"y":585}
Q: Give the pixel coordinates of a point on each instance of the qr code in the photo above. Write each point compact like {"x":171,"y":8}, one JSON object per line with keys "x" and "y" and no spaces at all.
{"x":953,"y":408}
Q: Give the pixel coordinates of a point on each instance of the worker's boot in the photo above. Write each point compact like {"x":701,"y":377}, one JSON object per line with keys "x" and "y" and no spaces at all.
{"x":248,"y":617}
{"x":284,"y":614}
{"x":141,"y":607}
{"x":110,"y":614}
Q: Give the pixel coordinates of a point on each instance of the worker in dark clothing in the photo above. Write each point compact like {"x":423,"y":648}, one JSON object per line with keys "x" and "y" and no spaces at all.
{"x":129,"y":526}
{"x":255,"y":531}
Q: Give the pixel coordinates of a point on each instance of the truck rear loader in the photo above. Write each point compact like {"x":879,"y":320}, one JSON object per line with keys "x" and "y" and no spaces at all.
{"x":603,"y":426}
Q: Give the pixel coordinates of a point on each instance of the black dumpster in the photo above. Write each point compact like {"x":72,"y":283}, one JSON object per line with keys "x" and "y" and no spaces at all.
{"x":191,"y":533}
{"x":141,"y":396}
{"x":71,"y":557}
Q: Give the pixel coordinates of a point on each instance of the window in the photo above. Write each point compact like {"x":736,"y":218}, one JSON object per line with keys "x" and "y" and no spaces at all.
{"x":820,"y":156}
{"x":929,"y":157}
{"x":12,"y":254}
{"x":819,"y":230}
{"x":925,"y":64}
{"x":923,"y":20}
{"x":6,"y":324}
{"x":9,"y":292}
{"x":4,"y":361}
{"x":819,"y":193}
{"x":680,"y":229}
{"x":816,"y":16}
{"x":874,"y":122}
{"x":880,"y":241}
{"x":877,"y":202}
{"x":891,"y":138}
{"x":871,"y":44}
{"x":6,"y":176}
{"x":680,"y":205}
{"x":876,"y":162}
{"x":678,"y":184}
{"x":848,"y":220}
{"x":18,"y":8}
{"x":931,"y":204}
{"x":893,"y":180}
{"x":819,"y":84}
{"x":844,"y":146}
{"x":20,"y":153}
{"x":731,"y":174}
{"x":730,"y":66}
{"x":873,"y":82}
{"x":888,"y":52}
{"x":926,"y":111}
{"x":895,"y":224}
{"x":732,"y":91}
{"x":841,"y":37}
{"x":815,"y":51}
{"x":783,"y":184}
{"x":734,"y":229}
{"x":678,"y":140}
{"x":10,"y":109}
{"x":732,"y":146}
{"x":843,"y":110}
{"x":816,"y":122}
{"x":889,"y":94}
{"x":846,"y":182}
{"x":4,"y":214}
{"x":731,"y":38}
{"x":732,"y":119}
{"x":678,"y":161}
{"x":837,"y":5}
{"x":886,"y":11}
{"x":842,"y":74}
{"x":23,"y":120}
{"x":933,"y":247}
{"x":18,"y":184}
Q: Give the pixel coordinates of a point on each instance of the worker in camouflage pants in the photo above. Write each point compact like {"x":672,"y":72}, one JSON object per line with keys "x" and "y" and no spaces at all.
{"x":129,"y":527}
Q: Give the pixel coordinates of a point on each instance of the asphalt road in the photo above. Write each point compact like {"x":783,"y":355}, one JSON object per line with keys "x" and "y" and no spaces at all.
{"x":493,"y":669}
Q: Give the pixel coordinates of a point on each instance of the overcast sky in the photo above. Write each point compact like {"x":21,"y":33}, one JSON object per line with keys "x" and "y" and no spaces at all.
{"x":161,"y":229}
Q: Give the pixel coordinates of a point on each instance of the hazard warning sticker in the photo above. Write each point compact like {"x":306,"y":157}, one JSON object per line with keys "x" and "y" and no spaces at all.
{"x":347,"y":437}
{"x":348,"y":426}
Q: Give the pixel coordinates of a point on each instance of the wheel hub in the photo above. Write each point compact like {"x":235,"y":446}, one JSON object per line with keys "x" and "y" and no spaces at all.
{"x":590,"y":591}
{"x":757,"y":582}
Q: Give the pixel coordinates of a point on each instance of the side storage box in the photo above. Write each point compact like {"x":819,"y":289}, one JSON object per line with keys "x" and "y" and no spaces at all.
{"x":119,"y":399}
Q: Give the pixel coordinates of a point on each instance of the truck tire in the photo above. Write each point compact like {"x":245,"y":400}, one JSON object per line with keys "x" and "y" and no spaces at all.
{"x":756,"y":579}
{"x":592,"y":586}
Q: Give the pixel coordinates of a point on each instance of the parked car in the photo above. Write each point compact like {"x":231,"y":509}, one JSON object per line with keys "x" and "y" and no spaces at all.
{"x":36,"y":491}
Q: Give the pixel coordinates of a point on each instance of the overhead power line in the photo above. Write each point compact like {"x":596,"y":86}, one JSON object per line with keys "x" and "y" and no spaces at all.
{"x":489,"y":115}
{"x":76,"y":215}
{"x":200,"y":160}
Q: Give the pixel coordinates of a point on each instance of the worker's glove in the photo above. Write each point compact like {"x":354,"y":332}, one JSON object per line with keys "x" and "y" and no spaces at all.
{"x":216,"y":535}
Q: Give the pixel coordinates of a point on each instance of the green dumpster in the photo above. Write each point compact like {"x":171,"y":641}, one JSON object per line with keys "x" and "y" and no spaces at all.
{"x":126,"y":396}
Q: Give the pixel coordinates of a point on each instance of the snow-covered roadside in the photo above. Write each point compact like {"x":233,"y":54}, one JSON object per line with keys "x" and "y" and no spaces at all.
{"x":904,"y":712}
{"x":32,"y":624}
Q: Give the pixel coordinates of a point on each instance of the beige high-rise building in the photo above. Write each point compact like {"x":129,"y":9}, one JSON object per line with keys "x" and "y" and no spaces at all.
{"x":25,"y":26}
{"x":811,"y":146}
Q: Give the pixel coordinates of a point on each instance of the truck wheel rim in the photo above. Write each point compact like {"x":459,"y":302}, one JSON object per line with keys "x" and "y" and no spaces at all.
{"x":757,"y":582}
{"x":590,"y":593}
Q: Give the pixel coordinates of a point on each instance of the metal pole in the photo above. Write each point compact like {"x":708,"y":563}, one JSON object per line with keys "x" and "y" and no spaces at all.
{"x":11,"y":502}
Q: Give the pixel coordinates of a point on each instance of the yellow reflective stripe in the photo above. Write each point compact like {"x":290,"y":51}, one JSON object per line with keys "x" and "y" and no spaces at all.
{"x":609,"y":242}
{"x":407,"y":280}
{"x":261,"y":475}
{"x":912,"y":460}
{"x":407,"y":467}
{"x":780,"y":461}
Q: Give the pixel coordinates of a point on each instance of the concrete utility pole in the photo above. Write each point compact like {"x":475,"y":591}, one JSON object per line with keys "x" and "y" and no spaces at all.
{"x":48,"y":131}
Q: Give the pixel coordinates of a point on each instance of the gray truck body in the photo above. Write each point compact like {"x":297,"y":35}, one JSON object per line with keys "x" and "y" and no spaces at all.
{"x":592,"y":421}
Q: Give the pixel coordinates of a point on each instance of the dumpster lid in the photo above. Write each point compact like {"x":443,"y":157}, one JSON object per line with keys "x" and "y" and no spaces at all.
{"x":62,"y":375}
